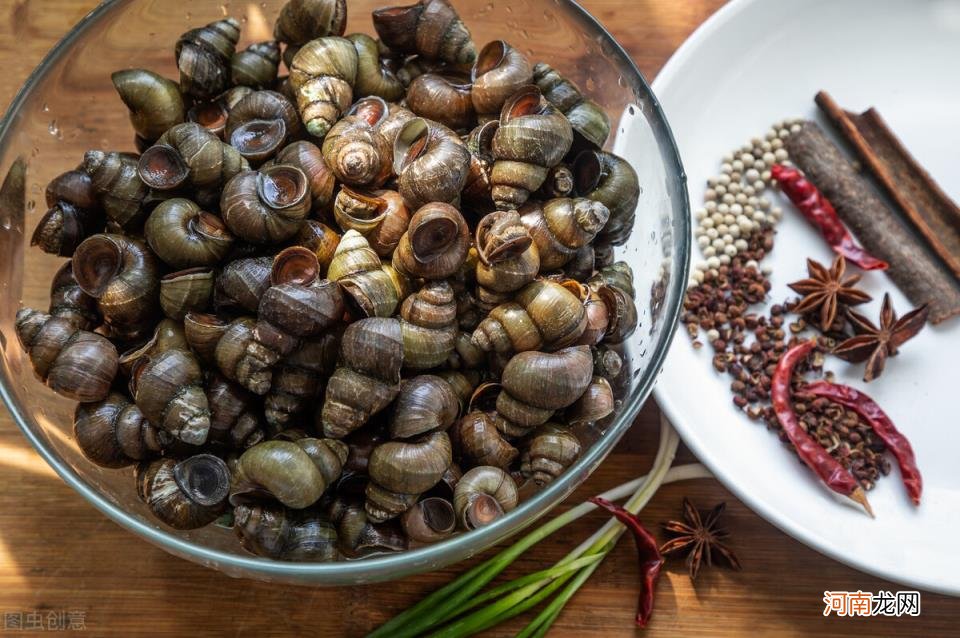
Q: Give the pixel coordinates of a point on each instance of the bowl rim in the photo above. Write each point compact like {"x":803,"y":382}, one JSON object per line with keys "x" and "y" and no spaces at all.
{"x":462,"y":545}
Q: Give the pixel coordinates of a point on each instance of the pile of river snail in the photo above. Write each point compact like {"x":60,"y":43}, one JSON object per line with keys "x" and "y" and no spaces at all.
{"x":347,"y":310}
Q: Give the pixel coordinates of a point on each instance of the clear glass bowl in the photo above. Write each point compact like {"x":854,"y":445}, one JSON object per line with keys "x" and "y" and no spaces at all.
{"x":68,"y":105}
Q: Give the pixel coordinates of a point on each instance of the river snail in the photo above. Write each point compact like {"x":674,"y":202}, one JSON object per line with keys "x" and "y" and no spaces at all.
{"x":188,"y":290}
{"x":155,"y":102}
{"x":68,"y":301}
{"x":402,"y":470}
{"x":359,"y":272}
{"x":431,"y":163}
{"x":303,"y":20}
{"x":241,"y":283}
{"x":189,"y":154}
{"x":184,"y":236}
{"x":428,"y":326}
{"x":73,"y":214}
{"x":436,"y":243}
{"x":321,"y":239}
{"x":184,"y":494}
{"x":610,"y":180}
{"x":354,"y":149}
{"x":203,"y":57}
{"x":483,"y":495}
{"x":121,"y":192}
{"x":499,"y":71}
{"x":431,"y":519}
{"x":560,"y":227}
{"x":482,"y":443}
{"x":442,"y":98}
{"x":298,"y":379}
{"x":532,"y":138}
{"x":295,"y":473}
{"x":322,"y":74}
{"x":123,"y":275}
{"x":260,"y":124}
{"x":357,"y":535}
{"x":308,"y":157}
{"x":586,"y":117}
{"x":379,"y":215}
{"x":276,"y":532}
{"x":550,"y":450}
{"x":426,"y":403}
{"x":266,"y":206}
{"x":477,"y":189}
{"x":255,"y":66}
{"x":542,"y":315}
{"x":299,"y":304}
{"x":430,"y":28}
{"x":113,"y":432}
{"x":77,"y":364}
{"x":374,"y":75}
{"x":508,"y":258}
{"x":234,"y":418}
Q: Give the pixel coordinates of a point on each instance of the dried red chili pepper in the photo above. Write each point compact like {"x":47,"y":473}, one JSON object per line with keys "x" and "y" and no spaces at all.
{"x":882,"y":426}
{"x":834,"y":475}
{"x":650,"y":559}
{"x":820,"y":212}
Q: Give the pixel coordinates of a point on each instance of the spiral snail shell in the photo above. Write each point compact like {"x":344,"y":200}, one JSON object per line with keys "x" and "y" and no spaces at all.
{"x":75,"y":363}
{"x":482,"y":443}
{"x":431,"y":163}
{"x":256,"y":66}
{"x":184,"y":236}
{"x":588,"y":119}
{"x":436,"y":243}
{"x":260,"y":124}
{"x":442,"y":98}
{"x":357,"y":268}
{"x":273,"y":531}
{"x":183,"y":291}
{"x":374,"y":75}
{"x":303,"y":20}
{"x":483,"y":495}
{"x":295,"y":473}
{"x":189,"y":153}
{"x":551,"y":449}
{"x":184,"y":494}
{"x":68,"y":301}
{"x":309,"y":158}
{"x":379,"y":215}
{"x":406,"y":469}
{"x":241,"y":283}
{"x":155,"y":102}
{"x":234,"y":419}
{"x":532,"y":138}
{"x":322,"y":74}
{"x":430,"y":28}
{"x":507,"y":257}
{"x":298,"y":379}
{"x":266,"y":206}
{"x":354,"y":149}
{"x":562,"y":226}
{"x":168,"y":388}
{"x":203,"y":57}
{"x":426,"y":403}
{"x":114,"y":433}
{"x":119,"y":188}
{"x":610,"y":180}
{"x":499,"y":71}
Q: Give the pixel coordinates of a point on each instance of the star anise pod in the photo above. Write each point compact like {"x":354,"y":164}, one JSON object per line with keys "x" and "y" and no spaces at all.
{"x":825,"y":290}
{"x":874,"y":344}
{"x":700,"y":537}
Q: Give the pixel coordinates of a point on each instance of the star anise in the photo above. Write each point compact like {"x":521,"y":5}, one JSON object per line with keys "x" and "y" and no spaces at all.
{"x":825,"y":290}
{"x":874,"y":344}
{"x":700,"y":537}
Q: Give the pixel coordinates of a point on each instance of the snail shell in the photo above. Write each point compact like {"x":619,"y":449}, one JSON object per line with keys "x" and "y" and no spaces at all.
{"x":618,"y":274}
{"x":154,"y":101}
{"x":213,"y":115}
{"x":426,"y":403}
{"x":357,"y":268}
{"x":508,"y":259}
{"x":303,"y":20}
{"x":77,"y":364}
{"x":436,"y":243}
{"x":242,"y":282}
{"x":532,"y":138}
{"x":114,"y":433}
{"x":183,"y":236}
{"x":498,"y":72}
{"x":189,"y":153}
{"x":266,"y":206}
{"x":550,"y":451}
{"x":115,"y":181}
{"x":430,"y":520}
{"x":582,"y":265}
{"x":587,"y":118}
{"x":353,"y":148}
{"x":477,"y":188}
{"x":430,"y":28}
{"x":543,"y":315}
{"x":562,"y":226}
{"x":405,"y":469}
{"x":607,"y":363}
{"x":483,"y":495}
{"x":374,"y":75}
{"x":203,"y":57}
{"x":73,"y":214}
{"x":256,"y":66}
{"x":185,"y":494}
{"x":610,"y":180}
{"x":481,"y":443}
{"x":431,"y":163}
{"x":321,"y":239}
{"x":428,"y":326}
{"x":559,"y":183}
{"x":295,"y":473}
{"x":168,"y":388}
{"x":123,"y":275}
{"x":598,"y":315}
{"x":166,"y":335}
{"x":358,"y":536}
{"x":68,"y":301}
{"x":322,"y":74}
{"x":622,"y":313}
{"x":536,"y":384}
{"x":298,"y":378}
{"x":380,"y":216}
{"x":184,"y":291}
{"x":279,"y":533}
{"x":234,"y":419}
{"x":596,"y":403}
{"x":368,"y":377}
{"x":397,"y":117}
{"x":442,"y":98}
{"x":260,"y":124}
{"x":309,"y":158}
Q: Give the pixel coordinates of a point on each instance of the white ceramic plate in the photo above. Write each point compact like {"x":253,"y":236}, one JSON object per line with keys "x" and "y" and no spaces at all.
{"x":757,"y":62}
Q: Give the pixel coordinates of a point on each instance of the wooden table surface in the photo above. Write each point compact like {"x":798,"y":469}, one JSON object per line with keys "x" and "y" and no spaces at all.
{"x":58,"y":554}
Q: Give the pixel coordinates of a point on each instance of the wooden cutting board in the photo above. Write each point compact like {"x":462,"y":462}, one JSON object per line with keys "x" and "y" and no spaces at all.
{"x":61,"y":561}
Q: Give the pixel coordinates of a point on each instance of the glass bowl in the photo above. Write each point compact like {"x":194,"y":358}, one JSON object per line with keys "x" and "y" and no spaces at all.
{"x":68,"y":105}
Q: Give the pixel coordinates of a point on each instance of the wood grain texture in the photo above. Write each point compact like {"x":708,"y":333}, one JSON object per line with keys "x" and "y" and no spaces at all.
{"x":58,"y":553}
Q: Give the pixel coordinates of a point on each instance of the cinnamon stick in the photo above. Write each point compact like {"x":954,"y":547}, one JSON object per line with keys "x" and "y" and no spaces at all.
{"x":914,"y":269}
{"x":933,"y":214}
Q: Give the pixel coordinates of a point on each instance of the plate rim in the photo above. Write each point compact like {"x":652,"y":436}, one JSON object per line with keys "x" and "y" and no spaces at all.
{"x":667,"y":74}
